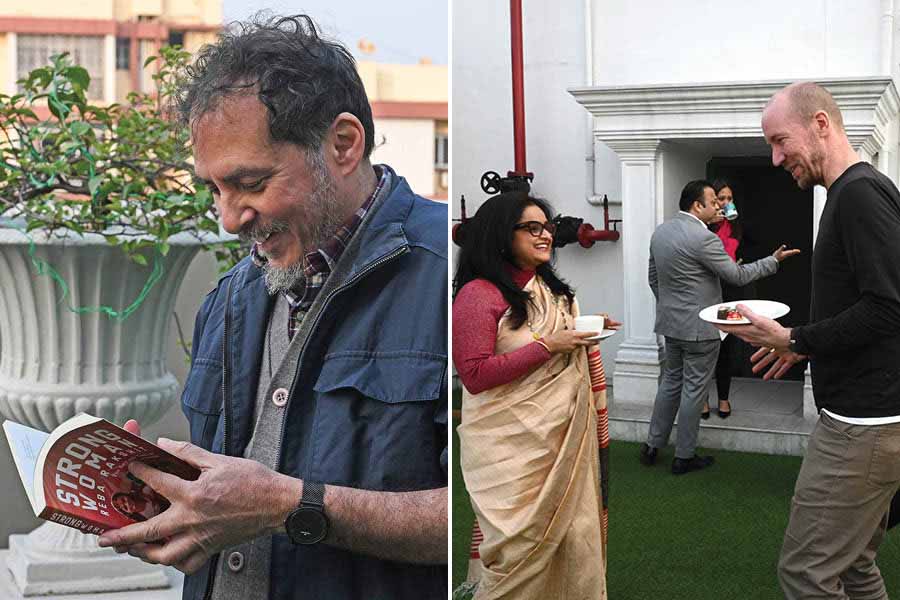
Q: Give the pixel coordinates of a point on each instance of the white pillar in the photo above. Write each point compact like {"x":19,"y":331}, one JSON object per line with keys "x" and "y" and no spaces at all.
{"x":109,"y":68}
{"x":887,"y":36}
{"x":884,"y":157}
{"x":637,"y":363}
{"x":820,"y":195}
{"x":12,"y":52}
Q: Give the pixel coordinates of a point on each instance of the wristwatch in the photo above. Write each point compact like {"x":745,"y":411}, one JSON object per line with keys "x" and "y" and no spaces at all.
{"x":307,"y":524}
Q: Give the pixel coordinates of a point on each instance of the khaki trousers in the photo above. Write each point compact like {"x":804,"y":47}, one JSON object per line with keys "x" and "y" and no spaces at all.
{"x":839,"y":512}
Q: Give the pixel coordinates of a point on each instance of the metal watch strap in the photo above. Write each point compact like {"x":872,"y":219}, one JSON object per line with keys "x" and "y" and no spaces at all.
{"x":313,"y":494}
{"x":308,"y":524}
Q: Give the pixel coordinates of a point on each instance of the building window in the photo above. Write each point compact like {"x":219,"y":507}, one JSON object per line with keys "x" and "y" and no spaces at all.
{"x":441,"y":150}
{"x":176,"y":38}
{"x":34,"y":51}
{"x":123,"y":53}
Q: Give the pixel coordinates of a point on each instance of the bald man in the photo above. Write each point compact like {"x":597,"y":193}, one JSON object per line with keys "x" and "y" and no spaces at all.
{"x":852,"y":465}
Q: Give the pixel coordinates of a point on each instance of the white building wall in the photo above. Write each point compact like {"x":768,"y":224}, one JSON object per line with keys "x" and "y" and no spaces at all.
{"x":710,"y":40}
{"x":407,"y":145}
{"x":556,"y":130}
{"x":632,"y":43}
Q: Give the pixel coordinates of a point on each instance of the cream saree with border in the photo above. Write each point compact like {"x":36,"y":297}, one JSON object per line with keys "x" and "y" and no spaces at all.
{"x":529,"y":457}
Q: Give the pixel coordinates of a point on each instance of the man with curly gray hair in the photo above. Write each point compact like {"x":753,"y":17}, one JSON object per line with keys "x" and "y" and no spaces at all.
{"x":317,"y":391}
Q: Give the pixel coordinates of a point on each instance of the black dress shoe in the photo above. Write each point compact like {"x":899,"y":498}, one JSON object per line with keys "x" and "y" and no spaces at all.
{"x":724,"y":414}
{"x":648,"y":455}
{"x":680,"y":466}
{"x":705,"y":414}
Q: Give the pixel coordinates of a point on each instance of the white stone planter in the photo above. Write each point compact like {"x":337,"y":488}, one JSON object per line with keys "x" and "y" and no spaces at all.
{"x":55,"y":363}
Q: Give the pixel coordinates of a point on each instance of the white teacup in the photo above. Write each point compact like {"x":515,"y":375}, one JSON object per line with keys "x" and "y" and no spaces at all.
{"x":590,"y":323}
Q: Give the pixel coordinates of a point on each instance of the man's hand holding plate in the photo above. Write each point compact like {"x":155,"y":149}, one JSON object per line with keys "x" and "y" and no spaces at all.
{"x":761,"y":331}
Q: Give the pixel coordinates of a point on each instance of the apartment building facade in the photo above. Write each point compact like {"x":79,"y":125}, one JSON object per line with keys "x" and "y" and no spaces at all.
{"x":110,"y":38}
{"x":409,"y":105}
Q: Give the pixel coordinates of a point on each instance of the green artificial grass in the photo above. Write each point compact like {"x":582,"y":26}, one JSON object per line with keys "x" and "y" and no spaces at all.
{"x":712,"y":534}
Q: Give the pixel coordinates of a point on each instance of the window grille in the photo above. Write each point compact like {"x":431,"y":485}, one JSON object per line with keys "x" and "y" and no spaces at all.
{"x":123,"y":53}
{"x":441,"y":150}
{"x":34,"y":51}
{"x":176,"y":38}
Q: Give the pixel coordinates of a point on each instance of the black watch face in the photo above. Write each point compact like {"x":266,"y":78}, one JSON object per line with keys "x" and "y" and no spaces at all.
{"x":307,"y":526}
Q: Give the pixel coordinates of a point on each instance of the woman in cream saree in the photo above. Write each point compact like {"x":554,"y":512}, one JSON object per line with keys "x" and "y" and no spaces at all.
{"x":530,"y":456}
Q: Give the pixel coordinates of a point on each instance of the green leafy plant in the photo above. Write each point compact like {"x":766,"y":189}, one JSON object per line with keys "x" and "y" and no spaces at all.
{"x":122,"y":171}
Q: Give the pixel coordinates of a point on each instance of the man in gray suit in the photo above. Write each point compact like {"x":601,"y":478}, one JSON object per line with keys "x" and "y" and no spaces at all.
{"x":686,"y":262}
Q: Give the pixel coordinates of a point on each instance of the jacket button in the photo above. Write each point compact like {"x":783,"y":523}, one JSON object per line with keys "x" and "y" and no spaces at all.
{"x":280,"y":397}
{"x":235,"y":562}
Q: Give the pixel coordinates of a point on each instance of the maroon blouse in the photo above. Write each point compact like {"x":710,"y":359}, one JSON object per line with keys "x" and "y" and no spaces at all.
{"x":477,"y":310}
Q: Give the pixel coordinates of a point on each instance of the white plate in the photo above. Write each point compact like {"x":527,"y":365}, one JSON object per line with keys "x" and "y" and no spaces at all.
{"x":766,"y":308}
{"x":603,"y":335}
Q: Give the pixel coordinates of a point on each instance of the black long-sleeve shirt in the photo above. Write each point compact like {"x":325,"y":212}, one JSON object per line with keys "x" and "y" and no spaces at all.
{"x":854,"y":335}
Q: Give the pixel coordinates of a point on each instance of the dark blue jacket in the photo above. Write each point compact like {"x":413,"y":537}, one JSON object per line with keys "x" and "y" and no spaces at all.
{"x":369,"y":405}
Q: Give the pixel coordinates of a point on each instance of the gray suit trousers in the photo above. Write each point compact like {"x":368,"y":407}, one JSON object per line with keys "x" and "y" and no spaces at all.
{"x":689,"y":367}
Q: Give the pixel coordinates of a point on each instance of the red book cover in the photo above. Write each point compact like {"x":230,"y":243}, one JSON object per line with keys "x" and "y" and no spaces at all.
{"x":79,"y":476}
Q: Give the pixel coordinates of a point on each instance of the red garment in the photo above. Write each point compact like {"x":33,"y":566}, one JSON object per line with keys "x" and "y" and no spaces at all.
{"x":477,"y":310}
{"x":731,"y":244}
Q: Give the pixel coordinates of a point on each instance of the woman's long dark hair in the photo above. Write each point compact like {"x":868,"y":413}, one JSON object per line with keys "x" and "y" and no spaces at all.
{"x":719,"y":183}
{"x":485,"y":252}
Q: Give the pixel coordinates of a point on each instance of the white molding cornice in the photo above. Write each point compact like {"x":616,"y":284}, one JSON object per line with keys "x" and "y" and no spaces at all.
{"x":625,"y":116}
{"x":717,"y":97}
{"x":635,"y":149}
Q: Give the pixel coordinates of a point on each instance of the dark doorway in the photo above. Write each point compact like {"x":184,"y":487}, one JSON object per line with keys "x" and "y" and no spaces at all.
{"x":773,"y":211}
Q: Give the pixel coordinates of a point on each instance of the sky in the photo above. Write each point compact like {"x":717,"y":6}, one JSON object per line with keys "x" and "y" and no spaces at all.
{"x":403,"y":31}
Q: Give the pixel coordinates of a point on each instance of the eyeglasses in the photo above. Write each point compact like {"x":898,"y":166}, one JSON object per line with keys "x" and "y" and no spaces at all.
{"x":535,"y":228}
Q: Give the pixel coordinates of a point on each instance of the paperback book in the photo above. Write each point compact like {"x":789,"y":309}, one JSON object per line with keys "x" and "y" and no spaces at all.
{"x":77,"y":475}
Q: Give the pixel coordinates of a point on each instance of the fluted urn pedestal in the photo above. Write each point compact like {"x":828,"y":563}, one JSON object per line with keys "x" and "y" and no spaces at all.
{"x":56,"y":362}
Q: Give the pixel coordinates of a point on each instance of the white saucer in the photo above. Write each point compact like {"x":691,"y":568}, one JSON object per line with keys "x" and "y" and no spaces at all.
{"x":766,"y":308}
{"x":603,"y":335}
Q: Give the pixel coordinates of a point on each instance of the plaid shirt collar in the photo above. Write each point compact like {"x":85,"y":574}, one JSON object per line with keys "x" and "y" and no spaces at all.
{"x":317,"y":265}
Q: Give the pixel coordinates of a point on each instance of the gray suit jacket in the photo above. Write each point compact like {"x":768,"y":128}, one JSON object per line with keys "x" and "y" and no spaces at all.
{"x":687,"y":261}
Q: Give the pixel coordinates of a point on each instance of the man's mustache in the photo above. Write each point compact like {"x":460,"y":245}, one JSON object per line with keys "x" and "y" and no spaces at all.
{"x":254,"y":230}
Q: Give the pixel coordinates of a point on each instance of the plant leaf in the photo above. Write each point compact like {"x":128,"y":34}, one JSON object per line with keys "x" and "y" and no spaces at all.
{"x":78,"y":76}
{"x":79,"y":128}
{"x":94,"y":184}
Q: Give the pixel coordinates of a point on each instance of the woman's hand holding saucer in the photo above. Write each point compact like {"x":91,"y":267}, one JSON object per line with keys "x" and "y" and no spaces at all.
{"x":567,"y":340}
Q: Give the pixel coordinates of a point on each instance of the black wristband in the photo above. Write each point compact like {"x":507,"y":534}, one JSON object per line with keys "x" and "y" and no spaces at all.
{"x":797,"y":344}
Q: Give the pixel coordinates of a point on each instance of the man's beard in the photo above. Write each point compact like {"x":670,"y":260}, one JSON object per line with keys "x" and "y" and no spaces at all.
{"x":321,"y":220}
{"x":808,"y":179}
{"x":818,"y":159}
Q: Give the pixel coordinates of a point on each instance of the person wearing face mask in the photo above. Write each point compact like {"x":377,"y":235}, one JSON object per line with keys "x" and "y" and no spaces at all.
{"x":728,"y":228}
{"x":686,"y":263}
{"x":528,"y":438}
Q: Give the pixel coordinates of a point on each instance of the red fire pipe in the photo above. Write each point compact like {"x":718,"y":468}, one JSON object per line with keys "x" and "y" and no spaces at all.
{"x":518,"y":86}
{"x":587,"y":235}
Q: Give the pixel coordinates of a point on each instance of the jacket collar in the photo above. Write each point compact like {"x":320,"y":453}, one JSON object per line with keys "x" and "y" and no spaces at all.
{"x":691,"y":217}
